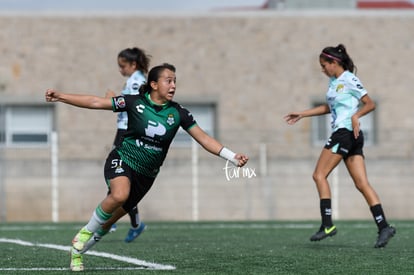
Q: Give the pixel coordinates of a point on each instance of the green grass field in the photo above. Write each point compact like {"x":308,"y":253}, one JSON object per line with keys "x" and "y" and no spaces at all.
{"x":211,"y":248}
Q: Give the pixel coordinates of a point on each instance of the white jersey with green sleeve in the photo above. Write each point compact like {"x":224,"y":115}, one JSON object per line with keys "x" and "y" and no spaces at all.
{"x":131,"y":88}
{"x":343,"y":97}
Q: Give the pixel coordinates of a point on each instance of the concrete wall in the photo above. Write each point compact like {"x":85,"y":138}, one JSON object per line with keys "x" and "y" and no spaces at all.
{"x":255,"y":66}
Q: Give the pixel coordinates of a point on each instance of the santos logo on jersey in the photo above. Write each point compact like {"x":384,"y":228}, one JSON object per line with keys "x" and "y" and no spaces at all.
{"x":170,"y":119}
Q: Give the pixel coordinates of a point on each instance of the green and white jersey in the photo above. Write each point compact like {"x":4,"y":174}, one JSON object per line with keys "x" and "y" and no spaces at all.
{"x":343,"y":97}
{"x":151,"y":129}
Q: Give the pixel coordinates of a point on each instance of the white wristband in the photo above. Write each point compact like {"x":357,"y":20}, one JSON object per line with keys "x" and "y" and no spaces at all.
{"x":228,"y":155}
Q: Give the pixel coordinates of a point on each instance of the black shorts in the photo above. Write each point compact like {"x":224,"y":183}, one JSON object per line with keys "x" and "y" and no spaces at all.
{"x":140,"y":184}
{"x":343,"y":142}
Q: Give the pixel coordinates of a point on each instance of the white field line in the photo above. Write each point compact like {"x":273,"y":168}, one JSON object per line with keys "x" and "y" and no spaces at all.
{"x":134,"y":261}
{"x":66,"y":269}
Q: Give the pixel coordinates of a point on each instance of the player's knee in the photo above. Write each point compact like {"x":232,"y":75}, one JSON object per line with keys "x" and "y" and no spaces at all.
{"x":119,"y":197}
{"x":318,"y":177}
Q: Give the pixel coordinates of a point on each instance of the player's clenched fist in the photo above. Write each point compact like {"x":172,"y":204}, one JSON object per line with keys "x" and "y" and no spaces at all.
{"x":51,"y":95}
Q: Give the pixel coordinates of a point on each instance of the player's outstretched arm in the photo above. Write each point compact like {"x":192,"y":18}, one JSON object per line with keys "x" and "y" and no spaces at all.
{"x":213,"y":146}
{"x":78,"y":100}
{"x":294,"y":117}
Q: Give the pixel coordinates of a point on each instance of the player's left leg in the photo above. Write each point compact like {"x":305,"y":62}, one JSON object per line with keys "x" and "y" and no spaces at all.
{"x":134,"y":217}
{"x":137,"y":226}
{"x":356,"y":167}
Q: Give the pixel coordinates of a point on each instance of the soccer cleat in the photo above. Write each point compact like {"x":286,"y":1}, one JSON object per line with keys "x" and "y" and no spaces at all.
{"x":76,"y":261}
{"x":134,"y":233}
{"x":323,"y":233}
{"x":113,"y":228}
{"x":81,"y":239}
{"x":92,"y":241}
{"x":384,"y":236}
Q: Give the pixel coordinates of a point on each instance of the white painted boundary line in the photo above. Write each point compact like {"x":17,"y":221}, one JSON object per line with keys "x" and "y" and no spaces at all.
{"x":66,"y":269}
{"x":134,"y":261}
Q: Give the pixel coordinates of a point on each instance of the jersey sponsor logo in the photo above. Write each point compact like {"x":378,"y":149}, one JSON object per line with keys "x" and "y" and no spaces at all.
{"x":155,"y":128}
{"x":153,"y":147}
{"x":139,"y":143}
{"x":120,"y":102}
{"x":170,"y":119}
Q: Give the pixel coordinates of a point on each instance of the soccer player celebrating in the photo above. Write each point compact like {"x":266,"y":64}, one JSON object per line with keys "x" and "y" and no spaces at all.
{"x":345,"y":95}
{"x":131,"y":168}
{"x":133,"y":63}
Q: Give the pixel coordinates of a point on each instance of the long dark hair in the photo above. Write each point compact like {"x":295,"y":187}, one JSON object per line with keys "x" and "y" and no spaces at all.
{"x":138,"y":56}
{"x":153,"y":75}
{"x":340,"y":55}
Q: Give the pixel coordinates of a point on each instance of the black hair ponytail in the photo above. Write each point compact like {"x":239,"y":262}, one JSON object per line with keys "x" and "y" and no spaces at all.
{"x":340,"y":55}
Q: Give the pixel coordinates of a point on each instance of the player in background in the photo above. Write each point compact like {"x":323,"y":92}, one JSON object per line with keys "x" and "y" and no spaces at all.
{"x":133,"y":63}
{"x":344,"y":97}
{"x":130,"y":169}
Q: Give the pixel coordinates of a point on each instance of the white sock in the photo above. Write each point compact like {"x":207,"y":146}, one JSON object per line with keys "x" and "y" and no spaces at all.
{"x":99,"y":217}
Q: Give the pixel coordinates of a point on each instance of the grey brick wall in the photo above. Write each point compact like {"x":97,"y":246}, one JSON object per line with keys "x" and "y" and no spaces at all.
{"x":256,"y":66}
